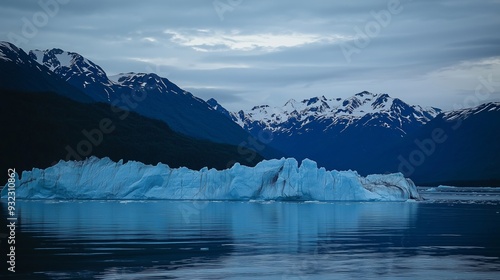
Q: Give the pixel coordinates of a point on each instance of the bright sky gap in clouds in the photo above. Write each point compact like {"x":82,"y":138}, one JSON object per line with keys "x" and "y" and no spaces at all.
{"x":208,"y":41}
{"x":246,"y":53}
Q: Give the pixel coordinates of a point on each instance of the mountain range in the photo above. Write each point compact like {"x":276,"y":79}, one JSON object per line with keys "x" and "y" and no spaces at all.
{"x":458,"y":148}
{"x":337,"y":133}
{"x":145,"y":93}
{"x":21,"y":73}
{"x":375,"y":133}
{"x":63,"y":106}
{"x":367,"y":132}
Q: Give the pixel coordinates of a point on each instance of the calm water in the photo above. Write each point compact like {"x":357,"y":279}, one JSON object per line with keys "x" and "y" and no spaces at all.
{"x":453,"y":235}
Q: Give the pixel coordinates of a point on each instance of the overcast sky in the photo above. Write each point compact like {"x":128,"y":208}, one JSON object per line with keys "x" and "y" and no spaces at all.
{"x":245,"y":53}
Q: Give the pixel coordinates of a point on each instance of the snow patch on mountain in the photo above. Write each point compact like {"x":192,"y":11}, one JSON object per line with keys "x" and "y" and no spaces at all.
{"x":467,"y":112}
{"x":9,"y":52}
{"x":71,"y":66}
{"x":6,"y":49}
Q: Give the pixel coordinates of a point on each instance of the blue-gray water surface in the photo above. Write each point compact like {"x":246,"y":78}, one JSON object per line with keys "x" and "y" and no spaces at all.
{"x":455,"y":234}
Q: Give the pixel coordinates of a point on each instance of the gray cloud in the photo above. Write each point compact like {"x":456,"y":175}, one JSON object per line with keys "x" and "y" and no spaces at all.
{"x":430,"y":53}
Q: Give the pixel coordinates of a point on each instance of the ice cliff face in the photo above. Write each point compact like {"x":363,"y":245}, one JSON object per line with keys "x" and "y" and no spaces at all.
{"x":280,"y":179}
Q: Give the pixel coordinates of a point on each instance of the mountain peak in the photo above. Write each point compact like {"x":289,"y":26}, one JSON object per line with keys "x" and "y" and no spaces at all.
{"x":21,"y":73}
{"x":4,"y":45}
{"x":212,"y":102}
{"x":133,"y":76}
{"x":9,"y":51}
{"x":314,"y":100}
{"x":381,"y":101}
{"x":70,"y":65}
{"x":54,"y":58}
{"x":467,"y":112}
{"x":149,"y":81}
{"x":219,"y":108}
{"x":72,"y":75}
{"x":363,"y":93}
{"x":260,"y":107}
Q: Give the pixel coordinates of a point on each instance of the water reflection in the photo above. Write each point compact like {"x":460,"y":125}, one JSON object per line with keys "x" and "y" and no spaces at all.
{"x":168,"y":222}
{"x":275,"y":240}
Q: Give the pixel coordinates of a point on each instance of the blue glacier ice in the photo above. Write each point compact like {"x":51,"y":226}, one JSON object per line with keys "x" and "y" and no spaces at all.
{"x":278,"y":179}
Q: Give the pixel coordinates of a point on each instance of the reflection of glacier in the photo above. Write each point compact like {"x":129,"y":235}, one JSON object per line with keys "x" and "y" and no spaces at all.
{"x":235,"y":222}
{"x":159,"y":235}
{"x":274,"y":179}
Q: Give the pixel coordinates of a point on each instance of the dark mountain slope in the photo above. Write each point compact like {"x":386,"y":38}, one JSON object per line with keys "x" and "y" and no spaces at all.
{"x":20,"y":72}
{"x":459,"y":148}
{"x":145,"y":93}
{"x":39,"y":129}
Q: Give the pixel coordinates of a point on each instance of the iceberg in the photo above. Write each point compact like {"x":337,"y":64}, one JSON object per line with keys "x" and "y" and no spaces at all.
{"x":277,"y":179}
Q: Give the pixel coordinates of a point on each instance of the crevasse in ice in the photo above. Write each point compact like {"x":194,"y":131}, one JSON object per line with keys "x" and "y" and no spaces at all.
{"x":281,"y":179}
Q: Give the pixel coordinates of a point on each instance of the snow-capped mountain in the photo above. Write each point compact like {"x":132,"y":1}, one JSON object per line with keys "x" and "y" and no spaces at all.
{"x":145,"y":93}
{"x":370,"y":133}
{"x":77,"y":71}
{"x":375,"y":133}
{"x":150,"y":82}
{"x":463,"y":114}
{"x":9,"y":52}
{"x":320,"y":113}
{"x":21,"y":73}
{"x":53,"y":118}
{"x":337,"y":133}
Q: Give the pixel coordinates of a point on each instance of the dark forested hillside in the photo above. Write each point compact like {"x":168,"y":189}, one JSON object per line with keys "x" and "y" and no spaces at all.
{"x":39,"y":129}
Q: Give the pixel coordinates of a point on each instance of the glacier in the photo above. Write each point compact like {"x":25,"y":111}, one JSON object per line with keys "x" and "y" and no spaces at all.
{"x":277,"y":179}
